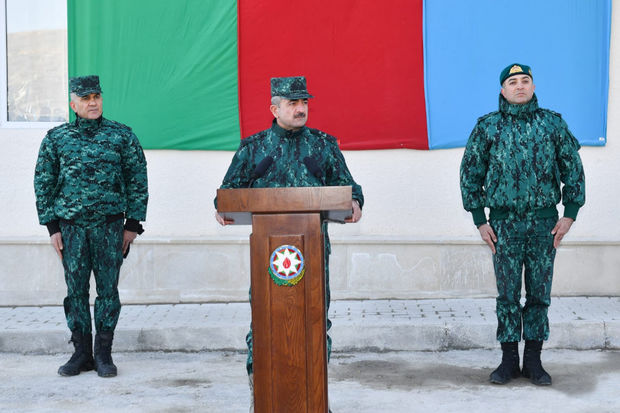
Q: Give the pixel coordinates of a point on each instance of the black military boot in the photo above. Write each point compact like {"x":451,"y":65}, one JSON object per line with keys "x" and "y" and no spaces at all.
{"x":509,"y":368}
{"x":103,"y":354}
{"x":82,"y":358}
{"x":532,"y":366}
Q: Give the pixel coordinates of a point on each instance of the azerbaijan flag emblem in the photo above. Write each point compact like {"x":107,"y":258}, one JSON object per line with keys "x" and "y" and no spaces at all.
{"x":286,"y":265}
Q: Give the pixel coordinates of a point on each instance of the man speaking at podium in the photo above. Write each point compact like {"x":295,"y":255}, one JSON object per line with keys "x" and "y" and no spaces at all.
{"x":289,"y":154}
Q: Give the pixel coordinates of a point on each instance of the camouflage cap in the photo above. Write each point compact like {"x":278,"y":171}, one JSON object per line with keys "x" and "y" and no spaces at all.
{"x":290,"y":87}
{"x":84,"y":85}
{"x":514,"y":69}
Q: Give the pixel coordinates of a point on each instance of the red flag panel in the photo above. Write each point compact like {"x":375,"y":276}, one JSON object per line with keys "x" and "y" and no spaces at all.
{"x":363,"y":61}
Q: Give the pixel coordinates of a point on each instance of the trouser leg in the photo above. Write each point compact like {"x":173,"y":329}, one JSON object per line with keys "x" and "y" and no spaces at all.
{"x":248,"y":341}
{"x":77,"y":265}
{"x":107,"y":257}
{"x":328,"y":322}
{"x":539,"y":258}
{"x":508,"y":265}
{"x":250,"y":360}
{"x":327,"y":250}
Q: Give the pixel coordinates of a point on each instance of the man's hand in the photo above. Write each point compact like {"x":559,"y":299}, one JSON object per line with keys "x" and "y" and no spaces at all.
{"x":128,"y":237}
{"x":560,"y":229}
{"x":220,"y":219}
{"x":56,"y":239}
{"x":488,"y":236}
{"x":357,"y":212}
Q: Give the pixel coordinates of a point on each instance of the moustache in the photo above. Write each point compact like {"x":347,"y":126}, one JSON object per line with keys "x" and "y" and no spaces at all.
{"x":300,"y":115}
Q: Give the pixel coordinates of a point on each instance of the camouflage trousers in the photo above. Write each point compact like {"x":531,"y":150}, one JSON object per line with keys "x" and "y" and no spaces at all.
{"x":523,"y":248}
{"x":328,"y":324}
{"x":97,"y":249}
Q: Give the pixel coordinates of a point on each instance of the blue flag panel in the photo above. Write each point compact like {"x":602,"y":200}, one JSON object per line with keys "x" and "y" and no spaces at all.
{"x":467,"y":44}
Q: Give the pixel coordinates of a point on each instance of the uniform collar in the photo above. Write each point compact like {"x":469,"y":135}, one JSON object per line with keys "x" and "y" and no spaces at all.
{"x":518,"y":110}
{"x":285,"y":133}
{"x":88,"y":126}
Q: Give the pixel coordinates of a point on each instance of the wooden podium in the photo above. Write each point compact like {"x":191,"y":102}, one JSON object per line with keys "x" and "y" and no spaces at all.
{"x":288,"y":305}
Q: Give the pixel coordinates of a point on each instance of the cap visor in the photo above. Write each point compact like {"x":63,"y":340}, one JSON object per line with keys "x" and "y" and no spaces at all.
{"x":87,"y":92}
{"x":298,"y":96}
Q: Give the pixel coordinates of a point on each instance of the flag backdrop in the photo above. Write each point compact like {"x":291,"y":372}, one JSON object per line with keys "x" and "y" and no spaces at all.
{"x":194,"y":74}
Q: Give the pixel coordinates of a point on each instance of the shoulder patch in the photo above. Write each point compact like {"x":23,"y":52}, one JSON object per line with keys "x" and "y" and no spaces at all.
{"x":551,"y":112}
{"x":487,"y":116}
{"x":116,"y":124}
{"x":58,"y":128}
{"x":321,"y":134}
{"x":253,"y":138}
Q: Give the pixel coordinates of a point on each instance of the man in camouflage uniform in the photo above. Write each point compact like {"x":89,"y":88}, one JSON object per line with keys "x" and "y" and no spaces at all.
{"x":301,"y":156}
{"x":513,"y":164}
{"x":91,"y":177}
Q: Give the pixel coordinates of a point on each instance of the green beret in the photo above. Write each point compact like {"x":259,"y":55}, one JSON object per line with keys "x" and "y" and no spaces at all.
{"x":515,"y":69}
{"x":290,"y":87}
{"x":84,"y":85}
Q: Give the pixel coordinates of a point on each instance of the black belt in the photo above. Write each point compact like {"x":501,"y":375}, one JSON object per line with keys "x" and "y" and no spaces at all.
{"x":499,"y":214}
{"x":108,"y":219}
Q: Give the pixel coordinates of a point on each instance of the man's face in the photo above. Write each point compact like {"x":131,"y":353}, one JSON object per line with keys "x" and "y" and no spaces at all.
{"x":87,"y":107}
{"x":518,"y":89}
{"x":291,"y":114}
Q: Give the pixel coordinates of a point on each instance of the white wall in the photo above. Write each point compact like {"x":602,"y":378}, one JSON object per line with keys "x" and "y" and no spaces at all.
{"x":414,"y":240}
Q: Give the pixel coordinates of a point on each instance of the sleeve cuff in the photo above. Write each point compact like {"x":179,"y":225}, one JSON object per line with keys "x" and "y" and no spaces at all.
{"x":570,"y":210}
{"x":53,"y":227}
{"x":134,"y":225}
{"x":479,"y":216}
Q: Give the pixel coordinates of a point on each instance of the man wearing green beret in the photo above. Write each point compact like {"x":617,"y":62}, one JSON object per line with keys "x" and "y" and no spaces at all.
{"x":290,"y":154}
{"x":514,"y":163}
{"x":91,"y":190}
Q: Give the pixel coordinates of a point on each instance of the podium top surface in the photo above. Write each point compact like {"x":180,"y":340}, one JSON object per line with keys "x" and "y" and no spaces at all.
{"x":239,"y":204}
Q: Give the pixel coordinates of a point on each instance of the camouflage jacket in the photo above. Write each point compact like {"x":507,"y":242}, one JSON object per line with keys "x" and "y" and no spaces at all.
{"x":515,"y":161}
{"x":288,"y":150}
{"x":88,"y":170}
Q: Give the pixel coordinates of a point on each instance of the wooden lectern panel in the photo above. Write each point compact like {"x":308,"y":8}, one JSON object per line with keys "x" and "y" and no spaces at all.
{"x":288,"y":319}
{"x":288,"y":322}
{"x":239,"y":204}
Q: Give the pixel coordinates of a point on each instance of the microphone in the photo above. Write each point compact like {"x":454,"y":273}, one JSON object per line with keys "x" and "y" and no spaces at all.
{"x":260,"y":169}
{"x":314,"y":169}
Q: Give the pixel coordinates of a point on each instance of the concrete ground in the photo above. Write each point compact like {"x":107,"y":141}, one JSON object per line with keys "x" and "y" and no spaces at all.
{"x":393,"y":382}
{"x":389,"y":356}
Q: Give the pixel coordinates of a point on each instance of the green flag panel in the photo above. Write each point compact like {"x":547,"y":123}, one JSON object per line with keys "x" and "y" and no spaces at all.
{"x":168,"y":69}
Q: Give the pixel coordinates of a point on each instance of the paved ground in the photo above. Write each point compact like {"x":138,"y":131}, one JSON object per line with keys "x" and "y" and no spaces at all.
{"x":364,"y":325}
{"x":392,"y":382}
{"x":390,"y":356}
